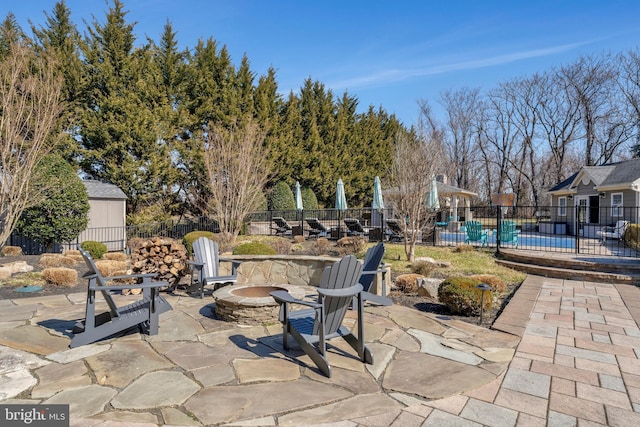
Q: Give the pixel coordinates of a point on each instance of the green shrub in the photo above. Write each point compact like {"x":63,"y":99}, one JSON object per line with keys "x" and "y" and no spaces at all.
{"x":460,"y":295}
{"x":309,"y":199}
{"x":95,"y":249}
{"x":63,"y":212}
{"x":281,"y":198}
{"x":189,"y":238}
{"x":254,"y":248}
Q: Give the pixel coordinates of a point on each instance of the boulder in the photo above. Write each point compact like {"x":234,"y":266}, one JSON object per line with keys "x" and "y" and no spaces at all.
{"x":428,"y":287}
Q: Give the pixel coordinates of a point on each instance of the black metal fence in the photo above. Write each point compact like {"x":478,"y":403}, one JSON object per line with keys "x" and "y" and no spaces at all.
{"x":577,"y":230}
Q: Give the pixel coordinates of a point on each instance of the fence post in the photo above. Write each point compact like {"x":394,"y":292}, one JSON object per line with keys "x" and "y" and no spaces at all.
{"x":498,"y":211}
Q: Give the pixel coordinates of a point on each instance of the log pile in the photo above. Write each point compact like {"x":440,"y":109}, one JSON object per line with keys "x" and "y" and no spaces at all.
{"x":164,"y":257}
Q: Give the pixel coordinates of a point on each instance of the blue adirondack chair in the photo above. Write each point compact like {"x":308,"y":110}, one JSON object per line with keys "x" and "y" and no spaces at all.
{"x":475,"y":233}
{"x":507,"y":233}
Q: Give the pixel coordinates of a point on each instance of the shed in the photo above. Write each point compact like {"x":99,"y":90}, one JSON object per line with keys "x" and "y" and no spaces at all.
{"x":107,"y":215}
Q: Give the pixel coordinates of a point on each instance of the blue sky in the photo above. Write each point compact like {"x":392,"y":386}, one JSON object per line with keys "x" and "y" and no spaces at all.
{"x":386,"y":53}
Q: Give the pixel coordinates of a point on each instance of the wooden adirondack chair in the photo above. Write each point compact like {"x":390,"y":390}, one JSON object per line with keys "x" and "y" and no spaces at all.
{"x":207,"y":265}
{"x":144,"y":312}
{"x":475,"y":233}
{"x":507,"y":233}
{"x":311,"y":328}
{"x":371,"y":266}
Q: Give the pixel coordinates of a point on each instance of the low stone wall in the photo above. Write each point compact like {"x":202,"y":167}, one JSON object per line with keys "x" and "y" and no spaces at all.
{"x":299,"y":270}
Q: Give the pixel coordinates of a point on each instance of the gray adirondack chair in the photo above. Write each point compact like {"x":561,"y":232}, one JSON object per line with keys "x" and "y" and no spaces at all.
{"x":311,"y":328}
{"x":144,"y":312}
{"x":372,"y":265}
{"x":207,"y":265}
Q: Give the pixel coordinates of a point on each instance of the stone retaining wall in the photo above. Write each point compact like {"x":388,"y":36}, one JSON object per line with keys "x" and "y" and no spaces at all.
{"x":299,"y":270}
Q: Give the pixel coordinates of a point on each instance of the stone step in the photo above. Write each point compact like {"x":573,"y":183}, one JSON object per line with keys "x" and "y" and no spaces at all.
{"x":571,"y":274}
{"x":616,"y":265}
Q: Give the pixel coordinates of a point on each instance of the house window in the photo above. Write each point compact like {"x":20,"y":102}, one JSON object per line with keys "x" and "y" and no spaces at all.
{"x":616,"y":204}
{"x":562,"y":206}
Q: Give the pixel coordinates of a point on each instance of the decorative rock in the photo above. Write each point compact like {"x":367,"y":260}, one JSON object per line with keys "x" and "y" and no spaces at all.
{"x":442,"y":264}
{"x":428,"y":287}
{"x":19,"y":267}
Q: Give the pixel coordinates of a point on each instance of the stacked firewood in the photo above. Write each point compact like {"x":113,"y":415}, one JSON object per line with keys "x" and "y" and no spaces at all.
{"x":164,"y":257}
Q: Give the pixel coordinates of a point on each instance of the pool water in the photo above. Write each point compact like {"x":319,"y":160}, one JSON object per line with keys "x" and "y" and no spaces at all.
{"x":524,"y":240}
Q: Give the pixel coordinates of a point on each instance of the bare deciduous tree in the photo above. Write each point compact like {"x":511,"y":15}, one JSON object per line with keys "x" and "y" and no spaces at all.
{"x":29,"y":109}
{"x":237,"y":170}
{"x":413,"y":166}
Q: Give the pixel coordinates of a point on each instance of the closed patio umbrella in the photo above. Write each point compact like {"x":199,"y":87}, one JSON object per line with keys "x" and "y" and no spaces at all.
{"x":433,"y":202}
{"x":341,"y":203}
{"x":341,"y":200}
{"x":299,"y":206}
{"x":378,"y":202}
{"x":377,"y":206}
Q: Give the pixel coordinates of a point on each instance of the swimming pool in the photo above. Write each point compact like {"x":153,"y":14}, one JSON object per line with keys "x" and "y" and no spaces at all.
{"x":525,"y":240}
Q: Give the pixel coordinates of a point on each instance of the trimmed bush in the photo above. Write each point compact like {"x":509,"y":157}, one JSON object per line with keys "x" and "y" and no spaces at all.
{"x":57,"y":260}
{"x":189,"y":238}
{"x":115,"y":256}
{"x":75,"y":254}
{"x":11,"y":251}
{"x":320,"y":246}
{"x":95,"y":249}
{"x":298,"y":239}
{"x":60,"y":276}
{"x":282,"y":246}
{"x":423,"y":268}
{"x":352,"y":244}
{"x":108,"y":267}
{"x":460,"y":295}
{"x":309,"y":199}
{"x":495,"y":282}
{"x":407,"y":283}
{"x":254,"y":248}
{"x":281,"y":198}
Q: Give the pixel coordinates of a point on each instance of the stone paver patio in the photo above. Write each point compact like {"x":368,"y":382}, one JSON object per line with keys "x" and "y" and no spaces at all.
{"x":566,"y":353}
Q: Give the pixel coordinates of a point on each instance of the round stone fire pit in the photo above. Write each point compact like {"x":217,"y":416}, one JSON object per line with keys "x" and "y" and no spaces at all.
{"x":251,"y":304}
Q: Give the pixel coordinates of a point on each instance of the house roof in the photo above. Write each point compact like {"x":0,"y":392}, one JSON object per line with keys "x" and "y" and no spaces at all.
{"x":612,"y":176}
{"x":103,"y":190}
{"x":447,"y":189}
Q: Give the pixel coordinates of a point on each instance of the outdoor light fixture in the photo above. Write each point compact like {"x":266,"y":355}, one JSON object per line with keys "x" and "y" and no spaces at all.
{"x":603,"y":195}
{"x":570,"y":196}
{"x":483,"y":287}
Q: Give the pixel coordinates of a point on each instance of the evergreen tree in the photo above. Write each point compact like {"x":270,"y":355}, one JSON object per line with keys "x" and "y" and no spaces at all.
{"x":59,"y":37}
{"x":10,"y":33}
{"x":121,"y":140}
